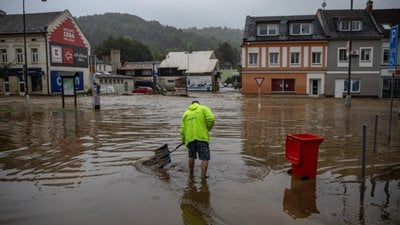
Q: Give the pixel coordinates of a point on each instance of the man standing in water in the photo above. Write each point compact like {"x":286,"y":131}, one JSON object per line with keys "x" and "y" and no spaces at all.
{"x":197,"y":121}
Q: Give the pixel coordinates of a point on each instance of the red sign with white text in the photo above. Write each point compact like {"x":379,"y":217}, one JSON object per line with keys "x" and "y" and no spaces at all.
{"x":66,"y":33}
{"x":67,"y":45}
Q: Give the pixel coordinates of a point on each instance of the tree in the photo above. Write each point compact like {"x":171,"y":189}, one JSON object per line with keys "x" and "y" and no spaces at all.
{"x":131,"y":50}
{"x":228,"y":55}
{"x":4,"y":69}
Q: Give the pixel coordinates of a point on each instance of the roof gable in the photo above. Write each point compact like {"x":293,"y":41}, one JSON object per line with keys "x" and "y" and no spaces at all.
{"x":66,"y":32}
{"x":197,"y":61}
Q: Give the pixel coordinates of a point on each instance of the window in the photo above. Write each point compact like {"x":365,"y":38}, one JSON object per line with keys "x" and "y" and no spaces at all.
{"x":3,"y":56}
{"x":147,"y":72}
{"x":385,"y":56}
{"x":316,"y":58}
{"x":19,"y":57}
{"x":35,"y":55}
{"x":267,"y":29}
{"x":345,"y":25}
{"x":283,"y":85}
{"x":295,"y":58}
{"x":366,"y":55}
{"x":355,"y":86}
{"x":253,"y":59}
{"x":386,"y":26}
{"x":273,"y":58}
{"x":300,"y":29}
{"x":343,"y":55}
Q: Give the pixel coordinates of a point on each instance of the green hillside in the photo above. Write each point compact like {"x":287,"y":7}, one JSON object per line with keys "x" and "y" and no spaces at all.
{"x":161,"y":39}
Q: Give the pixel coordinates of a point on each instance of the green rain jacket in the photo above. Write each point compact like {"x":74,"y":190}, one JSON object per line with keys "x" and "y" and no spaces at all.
{"x":197,"y":121}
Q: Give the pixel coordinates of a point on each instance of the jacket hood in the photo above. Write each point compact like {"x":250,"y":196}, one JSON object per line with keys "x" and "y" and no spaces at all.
{"x":194,"y":106}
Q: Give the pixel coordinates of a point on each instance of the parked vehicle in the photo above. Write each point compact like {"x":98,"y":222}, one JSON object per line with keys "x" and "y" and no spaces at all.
{"x":143,"y":90}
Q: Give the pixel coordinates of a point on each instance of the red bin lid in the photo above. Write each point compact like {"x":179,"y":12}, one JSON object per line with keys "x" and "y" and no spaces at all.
{"x":306,"y":137}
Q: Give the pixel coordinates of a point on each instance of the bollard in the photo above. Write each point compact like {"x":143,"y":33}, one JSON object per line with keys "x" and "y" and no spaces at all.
{"x":375,"y":132}
{"x":364,"y":145}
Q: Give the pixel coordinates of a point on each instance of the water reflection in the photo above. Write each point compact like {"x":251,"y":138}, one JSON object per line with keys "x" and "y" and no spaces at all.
{"x":299,"y":200}
{"x":195,"y":203}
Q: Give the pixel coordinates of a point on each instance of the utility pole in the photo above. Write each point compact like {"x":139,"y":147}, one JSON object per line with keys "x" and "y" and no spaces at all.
{"x":348,"y":96}
{"x":25,"y":66}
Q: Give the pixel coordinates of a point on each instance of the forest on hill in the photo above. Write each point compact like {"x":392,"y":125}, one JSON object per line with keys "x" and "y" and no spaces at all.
{"x":159,"y":39}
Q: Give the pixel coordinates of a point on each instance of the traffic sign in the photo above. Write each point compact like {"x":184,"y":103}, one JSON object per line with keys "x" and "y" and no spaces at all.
{"x":394,"y":31}
{"x":392,"y":59}
{"x":259,"y":80}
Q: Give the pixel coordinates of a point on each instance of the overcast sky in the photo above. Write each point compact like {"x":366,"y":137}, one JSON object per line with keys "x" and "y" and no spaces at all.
{"x":190,"y":13}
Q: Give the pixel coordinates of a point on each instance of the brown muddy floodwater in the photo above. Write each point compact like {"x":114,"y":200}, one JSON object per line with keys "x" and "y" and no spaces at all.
{"x":85,"y":167}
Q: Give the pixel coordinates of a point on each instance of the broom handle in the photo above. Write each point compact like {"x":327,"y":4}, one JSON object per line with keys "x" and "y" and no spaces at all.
{"x":177,"y":147}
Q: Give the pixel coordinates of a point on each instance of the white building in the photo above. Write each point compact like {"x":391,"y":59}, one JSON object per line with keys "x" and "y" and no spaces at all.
{"x":200,"y":69}
{"x":54,"y":43}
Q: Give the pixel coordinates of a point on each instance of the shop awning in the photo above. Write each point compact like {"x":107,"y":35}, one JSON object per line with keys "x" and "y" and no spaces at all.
{"x":67,"y":74}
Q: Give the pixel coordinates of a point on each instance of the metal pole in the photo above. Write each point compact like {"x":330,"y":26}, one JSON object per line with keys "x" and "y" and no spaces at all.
{"x":348,"y":96}
{"x":25,"y":69}
{"x":364,"y":145}
{"x":375,"y":132}
{"x":391,"y":106}
{"x":187,"y":73}
{"x":259,"y":96}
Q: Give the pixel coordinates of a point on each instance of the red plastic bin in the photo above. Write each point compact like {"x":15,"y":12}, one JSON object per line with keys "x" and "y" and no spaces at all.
{"x":302,"y":152}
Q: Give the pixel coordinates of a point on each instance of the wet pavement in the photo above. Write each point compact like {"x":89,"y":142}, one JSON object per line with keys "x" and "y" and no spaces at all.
{"x":86,"y":167}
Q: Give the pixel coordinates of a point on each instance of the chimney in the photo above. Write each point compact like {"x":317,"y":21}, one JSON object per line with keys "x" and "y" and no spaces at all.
{"x":115,"y":60}
{"x":370,"y":6}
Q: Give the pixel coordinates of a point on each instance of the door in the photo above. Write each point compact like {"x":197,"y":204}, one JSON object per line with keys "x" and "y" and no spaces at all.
{"x":21,"y":85}
{"x":339,"y":88}
{"x":315,"y":87}
{"x":6,"y":85}
{"x":289,"y":85}
{"x":36,"y":83}
{"x":277,"y":85}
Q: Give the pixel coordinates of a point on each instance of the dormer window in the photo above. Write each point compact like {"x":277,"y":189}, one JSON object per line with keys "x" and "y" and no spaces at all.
{"x":267,"y":30}
{"x":301,"y":29}
{"x":345,"y":25}
{"x":386,"y":26}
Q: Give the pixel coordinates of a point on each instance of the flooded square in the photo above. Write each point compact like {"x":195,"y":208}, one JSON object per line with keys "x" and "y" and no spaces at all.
{"x":80,"y":166}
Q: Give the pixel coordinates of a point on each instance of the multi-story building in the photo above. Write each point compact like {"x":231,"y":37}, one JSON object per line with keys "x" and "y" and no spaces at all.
{"x":54,"y":44}
{"x":385,"y":19}
{"x":341,"y":26}
{"x":284,"y":55}
{"x":309,"y":55}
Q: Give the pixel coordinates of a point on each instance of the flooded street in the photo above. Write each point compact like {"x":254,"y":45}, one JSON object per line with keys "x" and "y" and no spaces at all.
{"x":86,"y":167}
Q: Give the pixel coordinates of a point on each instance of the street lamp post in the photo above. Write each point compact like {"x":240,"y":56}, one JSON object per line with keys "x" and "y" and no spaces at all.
{"x":348,"y":96}
{"x":25,"y":69}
